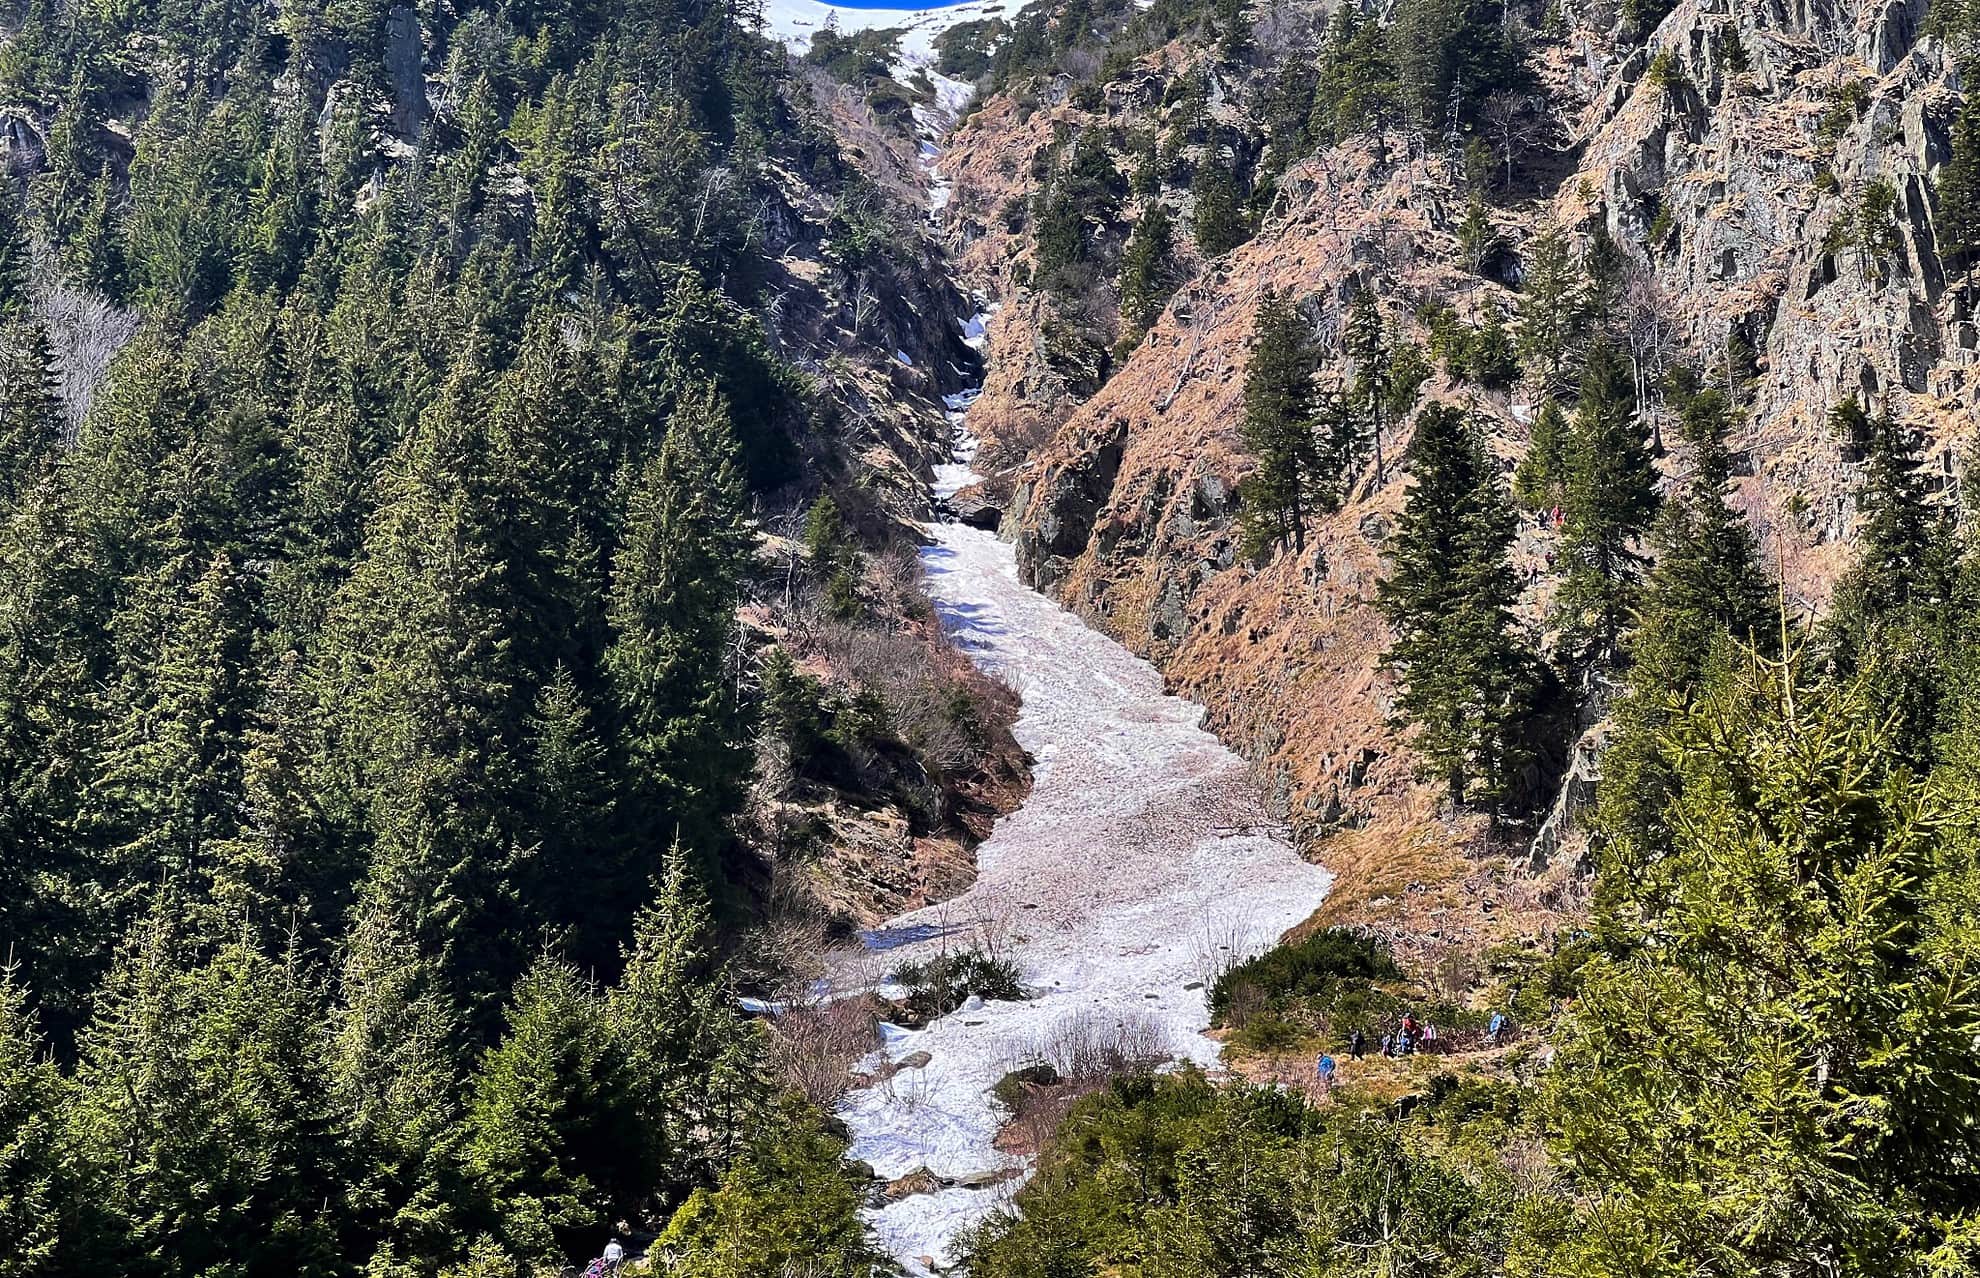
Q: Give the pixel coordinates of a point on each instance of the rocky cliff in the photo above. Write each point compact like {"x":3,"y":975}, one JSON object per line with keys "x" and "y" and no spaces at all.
{"x":1730,"y":155}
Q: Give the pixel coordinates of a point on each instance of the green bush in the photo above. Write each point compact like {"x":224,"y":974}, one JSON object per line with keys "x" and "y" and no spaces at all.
{"x":1316,"y":965}
{"x":943,"y":983}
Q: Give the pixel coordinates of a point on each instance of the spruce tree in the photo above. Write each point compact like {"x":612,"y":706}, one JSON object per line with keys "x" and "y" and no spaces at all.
{"x":1469,"y":681}
{"x":552,"y":1136}
{"x":1766,"y":1060}
{"x":1552,"y":311}
{"x":1367,"y":346}
{"x":1959,"y":186}
{"x":1148,"y":272}
{"x":672,"y":612}
{"x":1896,"y":615}
{"x":1705,"y":601}
{"x":1217,"y":217}
{"x":33,"y":1209}
{"x":1278,"y":427}
{"x":675,"y":1030}
{"x":202,"y":1120}
{"x":1540,"y":483}
{"x":1611,"y":497}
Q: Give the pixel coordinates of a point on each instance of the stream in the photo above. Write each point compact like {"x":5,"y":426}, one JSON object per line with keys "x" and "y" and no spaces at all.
{"x":1142,"y":863}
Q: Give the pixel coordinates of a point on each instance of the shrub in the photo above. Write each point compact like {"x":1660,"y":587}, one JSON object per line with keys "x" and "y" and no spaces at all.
{"x":944,"y":983}
{"x":1319,"y":964}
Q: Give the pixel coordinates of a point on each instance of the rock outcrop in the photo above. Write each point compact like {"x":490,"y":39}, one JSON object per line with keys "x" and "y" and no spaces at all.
{"x":1731,"y":180}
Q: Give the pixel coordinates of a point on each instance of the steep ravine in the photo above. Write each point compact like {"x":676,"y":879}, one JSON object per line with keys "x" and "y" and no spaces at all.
{"x":1143,"y":856}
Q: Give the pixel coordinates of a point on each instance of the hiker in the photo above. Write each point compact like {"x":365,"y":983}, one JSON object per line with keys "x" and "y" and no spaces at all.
{"x":1388,"y":1045}
{"x":1429,"y":1032}
{"x":1324,"y":1069}
{"x":614,"y":1255}
{"x":1357,"y":1044}
{"x":1495,"y":1028}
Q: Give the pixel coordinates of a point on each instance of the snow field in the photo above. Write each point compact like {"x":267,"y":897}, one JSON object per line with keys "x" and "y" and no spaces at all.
{"x":1142,"y":859}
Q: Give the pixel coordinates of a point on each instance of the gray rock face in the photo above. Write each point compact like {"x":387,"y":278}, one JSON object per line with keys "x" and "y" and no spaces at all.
{"x":404,"y":71}
{"x":975,"y":507}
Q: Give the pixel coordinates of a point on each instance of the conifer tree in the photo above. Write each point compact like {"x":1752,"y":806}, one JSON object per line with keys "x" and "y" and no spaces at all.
{"x":1895,"y":616}
{"x":1766,"y":1058}
{"x":674,"y":1027}
{"x":1611,"y":497}
{"x":202,"y":1120}
{"x":1278,"y":427}
{"x":1478,"y":240}
{"x":397,"y":1086}
{"x":1705,"y":601}
{"x":1217,"y":218}
{"x":1147,"y":272}
{"x":1959,"y":186}
{"x":552,"y":1136}
{"x":787,"y":1205}
{"x":1469,"y":681}
{"x":1366,"y":345}
{"x":32,"y":1090}
{"x":1552,"y":311}
{"x":1540,"y":483}
{"x":672,"y":612}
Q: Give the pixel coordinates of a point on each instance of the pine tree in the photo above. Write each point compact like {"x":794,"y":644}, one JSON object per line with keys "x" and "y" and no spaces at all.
{"x":1278,"y":427}
{"x":1469,"y":682}
{"x":1366,"y":345}
{"x":1896,"y":616}
{"x":552,"y":1137}
{"x":202,"y":1118}
{"x":1148,"y":272}
{"x":1704,"y":602}
{"x":1478,"y":240}
{"x":788,"y":1205}
{"x":1959,"y":186}
{"x":674,"y":1028}
{"x":32,"y":1183}
{"x":1611,"y":497}
{"x":1552,"y":311}
{"x":397,"y":1085}
{"x":1218,"y":216}
{"x":1540,"y":483}
{"x":1356,"y":88}
{"x":672,"y":612}
{"x":1765,"y":1060}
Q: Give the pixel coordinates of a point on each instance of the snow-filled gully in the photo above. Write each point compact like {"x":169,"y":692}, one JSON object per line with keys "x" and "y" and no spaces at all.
{"x":1143,"y":854}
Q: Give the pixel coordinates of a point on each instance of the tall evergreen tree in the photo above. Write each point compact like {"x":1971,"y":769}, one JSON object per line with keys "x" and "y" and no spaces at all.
{"x":1896,"y":613}
{"x":1705,"y":603}
{"x":1469,"y":681}
{"x":202,"y":1118}
{"x":672,"y":611}
{"x":1368,"y":347}
{"x":1217,"y":217}
{"x":1611,"y":496}
{"x":1278,"y":427}
{"x":32,"y":1189}
{"x":1148,"y":271}
{"x":1540,"y":483}
{"x":1765,"y":1066}
{"x":1552,"y":311}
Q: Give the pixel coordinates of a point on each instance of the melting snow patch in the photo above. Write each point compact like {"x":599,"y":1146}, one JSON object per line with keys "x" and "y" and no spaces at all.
{"x":1117,"y":889}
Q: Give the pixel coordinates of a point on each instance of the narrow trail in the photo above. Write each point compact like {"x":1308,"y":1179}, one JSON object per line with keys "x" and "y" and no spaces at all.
{"x":1142,"y":858}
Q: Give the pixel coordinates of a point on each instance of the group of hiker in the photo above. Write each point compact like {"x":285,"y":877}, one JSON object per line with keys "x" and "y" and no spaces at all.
{"x":1409,"y":1037}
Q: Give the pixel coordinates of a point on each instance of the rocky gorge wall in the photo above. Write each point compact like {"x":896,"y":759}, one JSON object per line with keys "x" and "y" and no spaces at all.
{"x":1123,"y":506}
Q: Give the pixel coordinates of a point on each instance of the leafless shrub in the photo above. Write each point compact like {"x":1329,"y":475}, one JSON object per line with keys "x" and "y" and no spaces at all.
{"x":1095,"y":1045}
{"x":813,"y":1048}
{"x":1223,"y":940}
